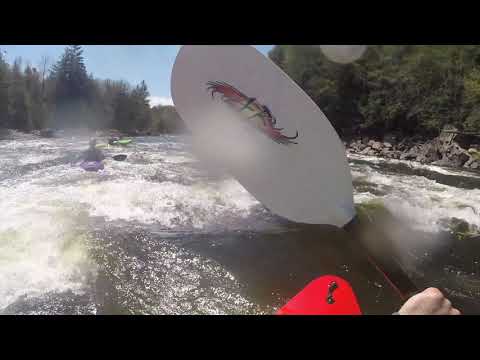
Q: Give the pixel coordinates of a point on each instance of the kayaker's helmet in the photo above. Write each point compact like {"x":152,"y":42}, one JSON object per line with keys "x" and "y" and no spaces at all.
{"x":92,"y":143}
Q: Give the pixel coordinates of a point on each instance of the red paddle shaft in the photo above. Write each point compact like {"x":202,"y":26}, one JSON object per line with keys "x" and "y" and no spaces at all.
{"x":390,"y":270}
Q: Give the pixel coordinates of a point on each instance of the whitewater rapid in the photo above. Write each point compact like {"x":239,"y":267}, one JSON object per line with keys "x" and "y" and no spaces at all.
{"x":62,"y":228}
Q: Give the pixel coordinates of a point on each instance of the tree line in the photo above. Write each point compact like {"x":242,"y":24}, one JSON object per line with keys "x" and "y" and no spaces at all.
{"x":65,"y":95}
{"x":409,"y":89}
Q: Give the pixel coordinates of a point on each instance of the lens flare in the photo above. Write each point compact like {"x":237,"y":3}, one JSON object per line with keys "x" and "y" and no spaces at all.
{"x":343,"y":54}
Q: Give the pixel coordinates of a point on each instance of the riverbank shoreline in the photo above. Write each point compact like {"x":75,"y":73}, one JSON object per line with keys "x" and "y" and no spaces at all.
{"x":446,"y":150}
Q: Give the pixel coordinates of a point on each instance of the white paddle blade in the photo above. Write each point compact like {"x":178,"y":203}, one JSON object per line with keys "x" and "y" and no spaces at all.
{"x":248,"y":116}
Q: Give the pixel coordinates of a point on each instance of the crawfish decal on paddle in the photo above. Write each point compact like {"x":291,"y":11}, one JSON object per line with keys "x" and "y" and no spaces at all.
{"x":257,"y":114}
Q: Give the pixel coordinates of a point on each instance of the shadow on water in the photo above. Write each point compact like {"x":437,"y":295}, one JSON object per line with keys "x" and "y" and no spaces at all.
{"x":174,"y":272}
{"x":454,"y":268}
{"x":275,"y":266}
{"x":271,"y":266}
{"x":430,"y":259}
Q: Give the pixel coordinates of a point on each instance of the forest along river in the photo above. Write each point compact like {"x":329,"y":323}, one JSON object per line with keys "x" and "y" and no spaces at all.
{"x":158,"y":234}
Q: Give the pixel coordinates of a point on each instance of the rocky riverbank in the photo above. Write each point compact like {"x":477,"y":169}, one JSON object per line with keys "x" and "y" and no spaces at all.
{"x":448,"y":149}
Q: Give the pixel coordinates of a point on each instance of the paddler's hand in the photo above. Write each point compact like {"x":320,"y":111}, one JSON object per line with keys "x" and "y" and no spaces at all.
{"x":429,"y":302}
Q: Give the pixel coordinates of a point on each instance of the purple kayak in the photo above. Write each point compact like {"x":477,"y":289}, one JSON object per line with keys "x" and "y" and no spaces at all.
{"x":91,"y":165}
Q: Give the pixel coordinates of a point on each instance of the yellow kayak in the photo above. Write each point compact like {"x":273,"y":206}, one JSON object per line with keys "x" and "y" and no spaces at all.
{"x":102,"y":146}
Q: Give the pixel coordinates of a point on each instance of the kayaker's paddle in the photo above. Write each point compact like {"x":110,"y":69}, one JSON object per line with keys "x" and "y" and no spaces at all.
{"x":246,"y":115}
{"x":326,"y":295}
{"x":119,"y":157}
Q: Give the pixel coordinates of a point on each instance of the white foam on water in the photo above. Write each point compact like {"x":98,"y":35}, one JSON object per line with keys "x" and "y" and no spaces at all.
{"x":40,"y":249}
{"x":45,"y":212}
{"x":179,"y":159}
{"x":36,"y":159}
{"x":168,"y":204}
{"x":363,"y":197}
{"x":422,"y":202}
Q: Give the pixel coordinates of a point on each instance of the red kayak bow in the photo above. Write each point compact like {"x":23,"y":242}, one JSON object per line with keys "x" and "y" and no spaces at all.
{"x":327,"y":295}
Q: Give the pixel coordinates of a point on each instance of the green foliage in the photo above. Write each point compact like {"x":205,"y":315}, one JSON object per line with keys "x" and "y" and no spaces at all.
{"x":141,"y":107}
{"x":4,"y":85}
{"x":71,"y":90}
{"x":415,"y":89}
{"x":166,"y":120}
{"x":68,"y":97}
{"x":123,"y":105}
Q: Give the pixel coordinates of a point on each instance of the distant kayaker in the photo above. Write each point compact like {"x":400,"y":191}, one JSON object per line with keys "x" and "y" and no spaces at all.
{"x":111,"y":141}
{"x":429,"y":302}
{"x":92,"y":153}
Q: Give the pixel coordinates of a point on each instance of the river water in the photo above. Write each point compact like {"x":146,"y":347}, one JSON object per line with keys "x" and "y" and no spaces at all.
{"x":158,"y":234}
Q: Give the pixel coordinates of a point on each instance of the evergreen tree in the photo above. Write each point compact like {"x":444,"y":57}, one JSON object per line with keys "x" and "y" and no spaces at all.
{"x":415,"y":89}
{"x":38,"y":107}
{"x":141,"y":111}
{"x":4,"y":85}
{"x":165,"y":119}
{"x":72,"y":86}
{"x":19,"y":100}
{"x":122,"y":106}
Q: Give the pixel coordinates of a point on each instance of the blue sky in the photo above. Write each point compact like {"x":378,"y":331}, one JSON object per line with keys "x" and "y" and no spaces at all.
{"x":133,"y":63}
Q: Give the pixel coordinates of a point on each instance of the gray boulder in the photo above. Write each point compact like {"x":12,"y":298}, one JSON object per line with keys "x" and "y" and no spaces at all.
{"x":366,"y":150}
{"x":469,"y":162}
{"x":377,"y":145}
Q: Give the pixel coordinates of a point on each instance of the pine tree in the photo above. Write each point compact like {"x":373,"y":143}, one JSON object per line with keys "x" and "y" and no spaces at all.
{"x":72,"y":85}
{"x":38,"y":108}
{"x":122,"y":105}
{"x":4,"y":85}
{"x":165,"y":119}
{"x":19,"y":100}
{"x":141,"y":112}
